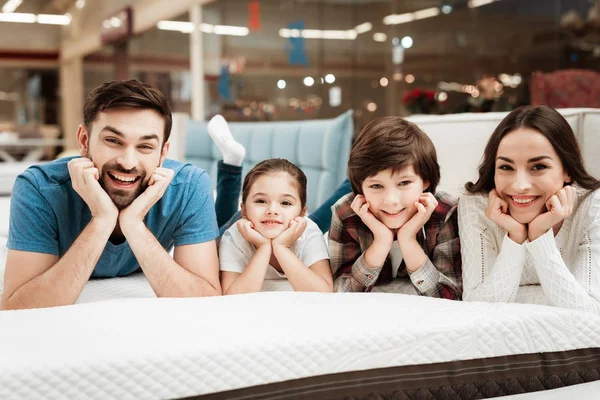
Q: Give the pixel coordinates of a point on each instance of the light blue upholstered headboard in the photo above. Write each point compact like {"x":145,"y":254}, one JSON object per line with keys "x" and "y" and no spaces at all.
{"x":320,"y":147}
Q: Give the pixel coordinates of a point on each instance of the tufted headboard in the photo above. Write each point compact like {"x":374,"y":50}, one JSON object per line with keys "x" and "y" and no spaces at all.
{"x":320,"y":147}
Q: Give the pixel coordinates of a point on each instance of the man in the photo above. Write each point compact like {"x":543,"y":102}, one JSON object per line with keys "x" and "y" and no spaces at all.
{"x":117,"y":209}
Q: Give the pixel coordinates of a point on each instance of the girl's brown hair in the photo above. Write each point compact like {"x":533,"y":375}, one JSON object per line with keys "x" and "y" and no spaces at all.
{"x":554,"y":127}
{"x":274,"y":165}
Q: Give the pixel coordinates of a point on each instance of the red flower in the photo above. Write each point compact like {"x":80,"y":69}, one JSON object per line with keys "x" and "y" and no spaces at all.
{"x":416,"y":93}
{"x":429,"y":94}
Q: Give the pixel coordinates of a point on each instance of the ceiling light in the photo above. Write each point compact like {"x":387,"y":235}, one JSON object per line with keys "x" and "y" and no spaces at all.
{"x":18,"y":17}
{"x":11,"y":5}
{"x":383,"y":81}
{"x":348,"y":34}
{"x":362,"y":28}
{"x":188,"y":27}
{"x":308,"y":81}
{"x":447,"y":9}
{"x":80,"y":4}
{"x":379,"y":37}
{"x":185,"y":27}
{"x":115,"y":22}
{"x":410,"y":78}
{"x":479,"y":3}
{"x":206,"y":28}
{"x":395,"y":19}
{"x":231,"y":30}
{"x":406,"y":42}
{"x":53,"y":19}
{"x":318,"y":34}
{"x":281,"y":84}
{"x":329,"y":78}
{"x":427,"y":13}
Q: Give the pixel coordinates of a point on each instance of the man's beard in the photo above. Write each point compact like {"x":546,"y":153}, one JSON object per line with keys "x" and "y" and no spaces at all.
{"x":122,"y":198}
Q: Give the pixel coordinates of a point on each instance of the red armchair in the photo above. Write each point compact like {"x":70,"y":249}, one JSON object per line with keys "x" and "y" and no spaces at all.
{"x":566,"y":89}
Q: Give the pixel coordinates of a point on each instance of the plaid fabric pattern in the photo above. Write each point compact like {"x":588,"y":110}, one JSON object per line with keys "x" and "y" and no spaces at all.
{"x":439,"y":276}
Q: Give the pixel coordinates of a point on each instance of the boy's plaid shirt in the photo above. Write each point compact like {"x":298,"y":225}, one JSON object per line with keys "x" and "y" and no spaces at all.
{"x":440,"y":276}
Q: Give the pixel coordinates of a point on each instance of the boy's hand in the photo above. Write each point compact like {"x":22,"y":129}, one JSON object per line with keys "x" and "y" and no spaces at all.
{"x":381,"y":233}
{"x":497,"y":211}
{"x":84,"y":178}
{"x":425,"y":206}
{"x":289,"y":236}
{"x":559,"y":207}
{"x":136,"y":211}
{"x":250,"y":234}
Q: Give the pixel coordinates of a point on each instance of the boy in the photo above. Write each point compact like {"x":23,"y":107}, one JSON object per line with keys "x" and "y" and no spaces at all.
{"x":393,"y":224}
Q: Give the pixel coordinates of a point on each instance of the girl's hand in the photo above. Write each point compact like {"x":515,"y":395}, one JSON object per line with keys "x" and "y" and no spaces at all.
{"x":292,"y":233}
{"x":559,"y":207}
{"x":497,"y":211}
{"x":250,"y":234}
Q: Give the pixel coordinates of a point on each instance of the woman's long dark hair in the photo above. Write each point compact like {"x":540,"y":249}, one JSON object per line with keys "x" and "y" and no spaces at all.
{"x":554,"y":127}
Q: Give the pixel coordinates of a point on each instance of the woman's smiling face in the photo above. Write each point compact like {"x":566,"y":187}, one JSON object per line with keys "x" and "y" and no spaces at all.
{"x":528,"y":172}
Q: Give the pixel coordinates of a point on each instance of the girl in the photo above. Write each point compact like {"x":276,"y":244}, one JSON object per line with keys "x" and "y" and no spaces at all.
{"x":274,"y":240}
{"x":229,"y":180}
{"x":533,"y":216}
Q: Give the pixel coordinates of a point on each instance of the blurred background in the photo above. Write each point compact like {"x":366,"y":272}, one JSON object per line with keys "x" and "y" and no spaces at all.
{"x":267,"y":60}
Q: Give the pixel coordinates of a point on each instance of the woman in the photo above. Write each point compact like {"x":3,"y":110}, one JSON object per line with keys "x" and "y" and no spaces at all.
{"x":533,"y":215}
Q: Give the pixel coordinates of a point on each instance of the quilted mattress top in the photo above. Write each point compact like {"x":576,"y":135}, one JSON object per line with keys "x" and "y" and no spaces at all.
{"x":168,"y":348}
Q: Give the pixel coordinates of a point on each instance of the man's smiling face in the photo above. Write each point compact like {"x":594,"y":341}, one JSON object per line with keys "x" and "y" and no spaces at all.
{"x":126,"y":145}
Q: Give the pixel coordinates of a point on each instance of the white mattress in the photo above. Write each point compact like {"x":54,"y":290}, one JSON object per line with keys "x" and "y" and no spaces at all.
{"x":126,"y":343}
{"x":169,"y":348}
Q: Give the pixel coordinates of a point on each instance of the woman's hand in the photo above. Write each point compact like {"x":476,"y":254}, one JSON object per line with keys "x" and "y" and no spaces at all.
{"x":559,"y":206}
{"x":497,"y":211}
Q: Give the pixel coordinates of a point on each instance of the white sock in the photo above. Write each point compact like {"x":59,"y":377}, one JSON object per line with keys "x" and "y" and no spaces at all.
{"x":232,"y":151}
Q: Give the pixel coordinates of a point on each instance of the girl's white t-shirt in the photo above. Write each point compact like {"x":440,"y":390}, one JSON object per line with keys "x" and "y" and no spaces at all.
{"x":235,"y":252}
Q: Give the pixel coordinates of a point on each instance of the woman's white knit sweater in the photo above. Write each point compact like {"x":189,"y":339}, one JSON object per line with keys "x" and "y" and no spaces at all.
{"x":567,"y":266}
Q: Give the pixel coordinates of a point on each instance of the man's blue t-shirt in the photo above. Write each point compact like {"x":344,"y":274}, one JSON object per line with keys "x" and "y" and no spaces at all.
{"x":47,"y":215}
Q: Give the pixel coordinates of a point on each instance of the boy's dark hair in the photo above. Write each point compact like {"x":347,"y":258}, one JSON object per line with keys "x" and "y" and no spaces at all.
{"x":554,"y":127}
{"x":392,"y":143}
{"x":274,"y":165}
{"x":126,"y":94}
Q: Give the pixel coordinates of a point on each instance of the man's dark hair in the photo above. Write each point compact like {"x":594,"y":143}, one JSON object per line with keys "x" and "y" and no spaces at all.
{"x":126,"y":94}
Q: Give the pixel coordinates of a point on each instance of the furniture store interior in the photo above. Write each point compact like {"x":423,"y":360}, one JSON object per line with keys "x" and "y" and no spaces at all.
{"x":437,"y":158}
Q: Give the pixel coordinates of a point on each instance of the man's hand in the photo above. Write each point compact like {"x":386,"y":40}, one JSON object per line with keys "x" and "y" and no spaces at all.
{"x":381,"y":233}
{"x":250,"y":234}
{"x":497,"y":211}
{"x":136,"y":211}
{"x":425,"y":206}
{"x":559,"y":206}
{"x":84,"y":178}
{"x":289,"y":236}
